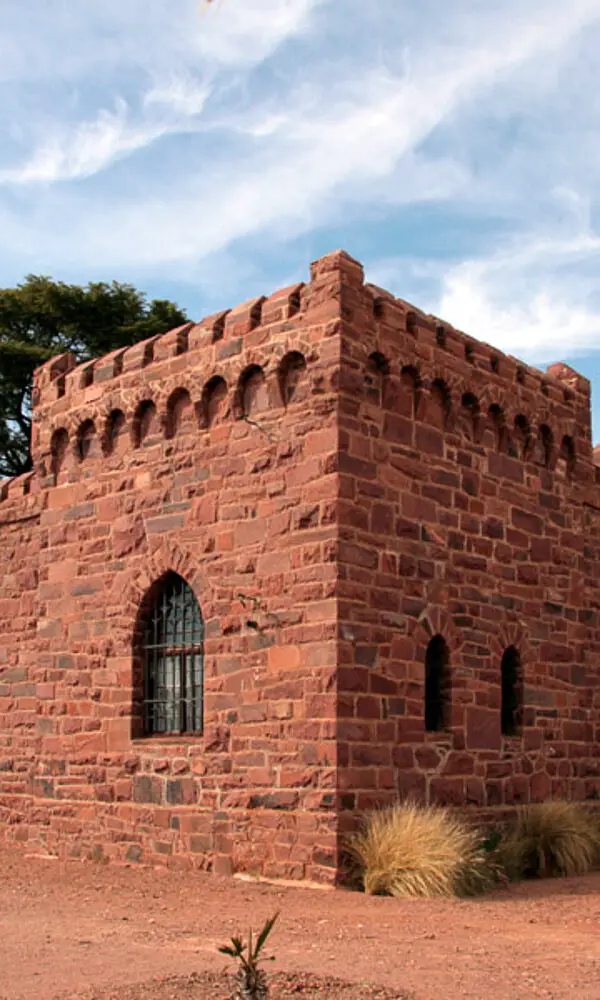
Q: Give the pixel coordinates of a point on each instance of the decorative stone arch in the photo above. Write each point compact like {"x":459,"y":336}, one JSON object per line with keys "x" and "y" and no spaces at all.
{"x":179,"y":383}
{"x":215,"y":401}
{"x":543,"y":443}
{"x":491,"y":395}
{"x":434,"y":621}
{"x":431,"y":376}
{"x":293,"y":343}
{"x":512,"y":636}
{"x":169,"y":556}
{"x":132,"y":413}
{"x":107,"y":426}
{"x":470,"y":414}
{"x":511,"y":633}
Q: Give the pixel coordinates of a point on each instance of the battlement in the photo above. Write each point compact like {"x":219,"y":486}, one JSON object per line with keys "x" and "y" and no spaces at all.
{"x":227,"y":364}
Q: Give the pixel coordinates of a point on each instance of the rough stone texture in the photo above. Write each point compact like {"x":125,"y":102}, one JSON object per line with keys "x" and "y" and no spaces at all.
{"x":339,"y":477}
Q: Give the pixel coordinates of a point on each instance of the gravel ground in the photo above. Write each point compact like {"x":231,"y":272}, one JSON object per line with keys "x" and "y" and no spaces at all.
{"x":210,"y":986}
{"x":83,"y":931}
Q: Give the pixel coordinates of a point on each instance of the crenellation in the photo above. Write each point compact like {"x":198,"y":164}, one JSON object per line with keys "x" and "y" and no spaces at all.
{"x":339,"y":481}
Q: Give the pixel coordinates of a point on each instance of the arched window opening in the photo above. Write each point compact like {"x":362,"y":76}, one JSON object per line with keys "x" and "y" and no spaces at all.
{"x":521,"y":440}
{"x":470,"y":415}
{"x":179,"y":412}
{"x":566,"y":462}
{"x":86,"y":439}
{"x":440,"y":404}
{"x":145,"y":422}
{"x":437,"y":685}
{"x":172,"y":641}
{"x":115,"y":440}
{"x":498,"y":423}
{"x":58,"y":450}
{"x":376,"y":375}
{"x":213,"y":401}
{"x":290,"y":374}
{"x":543,"y":446}
{"x":410,"y":397}
{"x":511,"y":691}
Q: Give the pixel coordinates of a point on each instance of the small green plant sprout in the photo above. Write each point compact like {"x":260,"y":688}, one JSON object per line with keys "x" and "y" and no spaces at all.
{"x":250,"y":980}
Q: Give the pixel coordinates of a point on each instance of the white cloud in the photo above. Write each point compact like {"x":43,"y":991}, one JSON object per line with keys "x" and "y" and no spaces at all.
{"x":322,"y":147}
{"x":181,"y":95}
{"x":370,"y":108}
{"x":88,"y":148}
{"x":202,"y":46}
{"x":523,"y":301}
{"x":238,"y":32}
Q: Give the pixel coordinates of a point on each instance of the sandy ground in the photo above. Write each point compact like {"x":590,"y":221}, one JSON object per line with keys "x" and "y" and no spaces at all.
{"x":82,"y":930}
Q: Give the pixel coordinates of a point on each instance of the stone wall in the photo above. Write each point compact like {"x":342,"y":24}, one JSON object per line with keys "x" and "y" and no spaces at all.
{"x":212,"y":452}
{"x":339,"y":478}
{"x":469,"y":511}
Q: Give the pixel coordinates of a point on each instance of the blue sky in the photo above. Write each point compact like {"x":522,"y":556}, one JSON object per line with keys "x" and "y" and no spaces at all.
{"x":208,"y":152}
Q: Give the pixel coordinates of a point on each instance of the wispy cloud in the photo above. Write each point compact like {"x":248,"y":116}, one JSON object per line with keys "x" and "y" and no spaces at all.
{"x":85,"y":149}
{"x":432,"y":132}
{"x":524,"y":301}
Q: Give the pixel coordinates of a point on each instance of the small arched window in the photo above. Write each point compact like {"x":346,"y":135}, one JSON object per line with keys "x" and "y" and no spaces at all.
{"x":115,"y":440}
{"x":172,"y":636}
{"x":376,"y":376}
{"x":213,"y":405}
{"x":59,"y":447}
{"x":290,"y":373}
{"x":511,"y":691}
{"x":86,"y":440}
{"x":437,"y":685}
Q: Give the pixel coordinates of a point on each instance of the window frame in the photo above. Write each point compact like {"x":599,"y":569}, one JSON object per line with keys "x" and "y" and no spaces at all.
{"x":171,"y":656}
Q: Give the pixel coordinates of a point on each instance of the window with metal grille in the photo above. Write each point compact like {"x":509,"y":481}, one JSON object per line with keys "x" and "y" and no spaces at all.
{"x":173,"y":653}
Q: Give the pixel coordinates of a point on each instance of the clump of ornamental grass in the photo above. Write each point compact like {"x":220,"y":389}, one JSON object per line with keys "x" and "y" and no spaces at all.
{"x":410,"y":850}
{"x":548,"y":839}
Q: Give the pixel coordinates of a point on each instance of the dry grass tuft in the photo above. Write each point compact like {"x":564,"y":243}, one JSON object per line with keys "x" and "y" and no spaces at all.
{"x":410,"y":850}
{"x":552,"y":838}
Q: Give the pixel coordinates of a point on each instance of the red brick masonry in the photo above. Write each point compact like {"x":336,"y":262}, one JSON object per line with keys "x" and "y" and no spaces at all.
{"x":340,"y":478}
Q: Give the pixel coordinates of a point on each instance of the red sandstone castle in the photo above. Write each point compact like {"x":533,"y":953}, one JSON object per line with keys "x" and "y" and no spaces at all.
{"x":291,"y":562}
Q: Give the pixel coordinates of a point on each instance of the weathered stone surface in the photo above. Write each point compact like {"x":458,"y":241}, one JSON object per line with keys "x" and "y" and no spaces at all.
{"x":338,"y":487}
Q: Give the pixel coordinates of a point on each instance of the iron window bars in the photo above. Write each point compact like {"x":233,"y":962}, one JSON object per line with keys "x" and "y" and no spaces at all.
{"x":173,"y":661}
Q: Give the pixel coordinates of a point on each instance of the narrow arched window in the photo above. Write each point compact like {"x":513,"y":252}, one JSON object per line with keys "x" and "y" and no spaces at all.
{"x":173,"y":654}
{"x":437,"y":685}
{"x":511,"y":691}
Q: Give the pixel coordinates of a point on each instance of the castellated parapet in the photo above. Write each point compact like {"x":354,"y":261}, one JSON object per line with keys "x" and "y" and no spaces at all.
{"x":288,"y":563}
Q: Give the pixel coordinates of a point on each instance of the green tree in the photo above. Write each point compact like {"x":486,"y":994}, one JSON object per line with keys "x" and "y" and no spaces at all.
{"x":40,"y":318}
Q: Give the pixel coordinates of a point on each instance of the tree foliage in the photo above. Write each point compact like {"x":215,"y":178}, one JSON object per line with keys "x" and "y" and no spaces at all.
{"x":42,"y":317}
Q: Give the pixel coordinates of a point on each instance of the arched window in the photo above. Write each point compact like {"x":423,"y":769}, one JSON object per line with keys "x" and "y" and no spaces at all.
{"x":511,"y":691}
{"x":59,"y":447}
{"x":172,"y":635}
{"x":437,"y":685}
